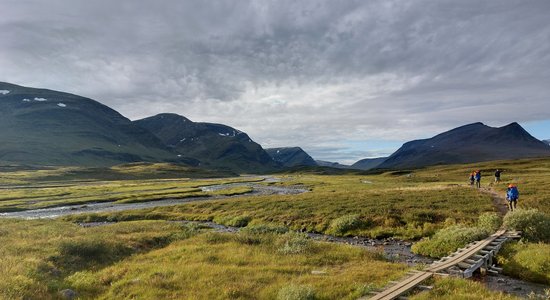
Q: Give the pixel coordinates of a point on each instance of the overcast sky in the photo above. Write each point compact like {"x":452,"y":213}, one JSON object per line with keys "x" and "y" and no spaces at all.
{"x":342,"y":79}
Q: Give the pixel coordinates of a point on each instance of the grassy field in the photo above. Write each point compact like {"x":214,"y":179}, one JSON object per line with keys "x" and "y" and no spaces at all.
{"x":143,"y":256}
{"x":378,"y":206}
{"x":166,"y":260}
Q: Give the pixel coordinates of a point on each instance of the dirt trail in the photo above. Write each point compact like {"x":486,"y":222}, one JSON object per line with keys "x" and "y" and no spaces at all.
{"x":498,"y":200}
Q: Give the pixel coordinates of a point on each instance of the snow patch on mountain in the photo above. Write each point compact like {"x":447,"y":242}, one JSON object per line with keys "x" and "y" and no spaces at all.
{"x":61,"y":104}
{"x":40,"y":99}
{"x":4,"y":92}
{"x":26,"y":100}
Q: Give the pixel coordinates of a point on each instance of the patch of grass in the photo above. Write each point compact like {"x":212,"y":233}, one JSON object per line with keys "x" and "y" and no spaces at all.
{"x":296,"y":292}
{"x":199,"y":268}
{"x":36,"y":255}
{"x":528,"y":261}
{"x":455,"y":289}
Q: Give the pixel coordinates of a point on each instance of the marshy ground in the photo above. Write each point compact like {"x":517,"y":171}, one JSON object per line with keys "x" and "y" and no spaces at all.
{"x":142,"y":256}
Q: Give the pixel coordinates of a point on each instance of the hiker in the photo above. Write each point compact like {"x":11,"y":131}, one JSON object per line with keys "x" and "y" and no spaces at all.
{"x":497,"y":175}
{"x":512,"y":195}
{"x":472,"y":177}
{"x":478,"y":178}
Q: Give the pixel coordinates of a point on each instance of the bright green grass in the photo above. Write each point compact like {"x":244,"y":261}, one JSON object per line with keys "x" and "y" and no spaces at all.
{"x":528,"y":261}
{"x":460,"y":289}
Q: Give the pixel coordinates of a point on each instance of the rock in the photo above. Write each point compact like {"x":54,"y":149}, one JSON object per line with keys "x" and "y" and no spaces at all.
{"x":68,"y":294}
{"x":500,"y":280}
{"x":517,"y":288}
{"x":408,"y":244}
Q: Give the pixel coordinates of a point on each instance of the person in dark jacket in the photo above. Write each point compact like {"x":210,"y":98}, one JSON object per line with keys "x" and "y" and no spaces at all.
{"x":497,"y":175}
{"x":478,"y":178}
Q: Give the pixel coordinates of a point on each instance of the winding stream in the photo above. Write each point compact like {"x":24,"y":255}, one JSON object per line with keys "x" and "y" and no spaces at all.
{"x":58,"y":211}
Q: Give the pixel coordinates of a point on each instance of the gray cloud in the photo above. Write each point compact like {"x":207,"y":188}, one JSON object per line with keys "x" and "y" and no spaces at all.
{"x":309,"y":73}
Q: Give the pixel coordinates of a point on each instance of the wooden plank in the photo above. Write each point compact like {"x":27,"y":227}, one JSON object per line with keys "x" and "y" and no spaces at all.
{"x":402,"y":287}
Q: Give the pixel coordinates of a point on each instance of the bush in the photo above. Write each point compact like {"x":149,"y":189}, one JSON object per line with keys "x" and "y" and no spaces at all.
{"x":448,"y":240}
{"x":296,"y":292}
{"x":534,"y":224}
{"x":489,"y":221}
{"x":346,"y":223}
{"x":293,"y":243}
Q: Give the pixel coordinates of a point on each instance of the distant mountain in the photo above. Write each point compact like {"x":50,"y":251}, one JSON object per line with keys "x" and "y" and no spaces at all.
{"x":368,"y":163}
{"x":215,"y":145}
{"x":291,"y":157}
{"x":324,"y":163}
{"x":546,"y":141}
{"x":470,"y":143}
{"x":45,"y":127}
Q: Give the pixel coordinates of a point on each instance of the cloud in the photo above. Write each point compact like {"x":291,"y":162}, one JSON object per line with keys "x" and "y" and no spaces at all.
{"x":316,"y":74}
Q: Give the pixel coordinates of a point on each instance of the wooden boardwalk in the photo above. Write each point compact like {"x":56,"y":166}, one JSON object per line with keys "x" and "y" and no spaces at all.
{"x":462,"y":263}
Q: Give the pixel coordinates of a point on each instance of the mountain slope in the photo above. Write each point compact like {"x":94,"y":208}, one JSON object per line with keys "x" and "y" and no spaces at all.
{"x":546,"y":141}
{"x":368,"y":163}
{"x":470,"y":143}
{"x":291,"y":156}
{"x":45,"y":127}
{"x":214,"y":145}
{"x":324,"y":163}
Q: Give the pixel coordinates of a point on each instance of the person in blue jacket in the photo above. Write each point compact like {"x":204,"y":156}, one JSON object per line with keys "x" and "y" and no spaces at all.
{"x":512,"y":195}
{"x":478,"y":178}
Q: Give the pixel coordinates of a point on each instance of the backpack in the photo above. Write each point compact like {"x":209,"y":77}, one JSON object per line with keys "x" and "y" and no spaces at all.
{"x":513,"y":193}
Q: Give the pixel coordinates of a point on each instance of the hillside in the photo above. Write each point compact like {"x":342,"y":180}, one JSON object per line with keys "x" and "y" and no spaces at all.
{"x":470,"y":143}
{"x":215,"y":145}
{"x":324,"y":163}
{"x":45,"y":127}
{"x":368,"y":163}
{"x":291,"y":156}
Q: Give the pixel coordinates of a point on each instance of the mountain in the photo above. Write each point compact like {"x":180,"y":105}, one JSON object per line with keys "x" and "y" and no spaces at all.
{"x":45,"y":127}
{"x":470,"y":143}
{"x":368,"y":163}
{"x":215,"y":145}
{"x":324,"y":163}
{"x":291,"y":157}
{"x":546,"y":141}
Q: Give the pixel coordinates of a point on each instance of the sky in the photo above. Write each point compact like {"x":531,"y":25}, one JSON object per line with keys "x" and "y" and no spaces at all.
{"x":344,"y":80}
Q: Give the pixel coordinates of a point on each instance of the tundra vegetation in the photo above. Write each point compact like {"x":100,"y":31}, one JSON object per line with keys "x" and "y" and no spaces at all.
{"x":147,"y":253}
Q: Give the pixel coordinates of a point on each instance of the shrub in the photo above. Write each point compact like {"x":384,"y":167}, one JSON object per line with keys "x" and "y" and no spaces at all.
{"x":534,"y":224}
{"x":346,"y":223}
{"x":489,"y":221}
{"x":293,"y":243}
{"x":296,"y":292}
{"x":239,"y":221}
{"x":448,"y":240}
{"x":527,"y":261}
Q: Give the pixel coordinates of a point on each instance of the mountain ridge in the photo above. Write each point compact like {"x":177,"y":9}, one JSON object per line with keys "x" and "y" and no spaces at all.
{"x":215,"y":145}
{"x":290,"y":157}
{"x":469,"y":143}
